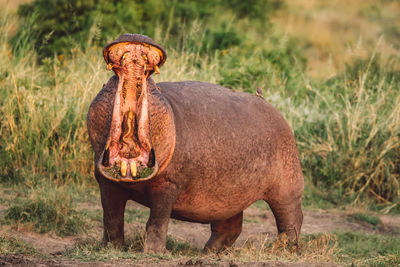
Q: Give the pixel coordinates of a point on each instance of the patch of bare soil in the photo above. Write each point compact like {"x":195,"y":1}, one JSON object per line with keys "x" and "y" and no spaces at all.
{"x":258,"y":224}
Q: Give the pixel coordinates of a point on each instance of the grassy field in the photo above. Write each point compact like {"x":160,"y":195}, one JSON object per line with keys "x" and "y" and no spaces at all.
{"x":333,"y":72}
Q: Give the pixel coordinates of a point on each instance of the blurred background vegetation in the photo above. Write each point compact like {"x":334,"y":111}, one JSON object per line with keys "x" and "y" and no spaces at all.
{"x":332,"y":69}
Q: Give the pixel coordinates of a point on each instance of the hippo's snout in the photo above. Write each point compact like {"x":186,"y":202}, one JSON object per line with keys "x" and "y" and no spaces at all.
{"x":129,"y":155}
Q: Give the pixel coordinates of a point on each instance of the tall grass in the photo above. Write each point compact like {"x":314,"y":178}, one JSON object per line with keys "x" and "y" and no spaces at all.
{"x":355,"y":144}
{"x":43,"y":109}
{"x":347,"y":127}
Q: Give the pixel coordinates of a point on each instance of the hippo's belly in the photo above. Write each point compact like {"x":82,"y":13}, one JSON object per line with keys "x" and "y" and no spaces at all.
{"x":226,"y":151}
{"x":203,"y":202}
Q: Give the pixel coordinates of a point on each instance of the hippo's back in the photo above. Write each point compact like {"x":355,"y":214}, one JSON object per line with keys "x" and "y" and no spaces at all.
{"x":227,"y":146}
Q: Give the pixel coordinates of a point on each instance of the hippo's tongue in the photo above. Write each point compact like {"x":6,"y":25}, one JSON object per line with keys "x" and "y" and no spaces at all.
{"x":129,"y":155}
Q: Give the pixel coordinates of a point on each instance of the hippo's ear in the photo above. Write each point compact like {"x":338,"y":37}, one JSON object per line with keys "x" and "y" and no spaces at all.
{"x":138,"y":39}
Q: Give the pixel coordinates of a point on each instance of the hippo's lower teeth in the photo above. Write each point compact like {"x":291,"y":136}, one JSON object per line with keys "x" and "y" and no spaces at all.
{"x":124,"y":167}
{"x":133,"y":169}
{"x":120,"y":171}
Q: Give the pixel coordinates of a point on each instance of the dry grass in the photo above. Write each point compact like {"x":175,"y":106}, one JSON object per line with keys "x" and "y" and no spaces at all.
{"x":319,"y":248}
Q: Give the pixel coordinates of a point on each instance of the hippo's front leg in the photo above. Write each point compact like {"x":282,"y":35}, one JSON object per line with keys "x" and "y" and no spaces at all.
{"x":162,"y":199}
{"x":113,"y":200}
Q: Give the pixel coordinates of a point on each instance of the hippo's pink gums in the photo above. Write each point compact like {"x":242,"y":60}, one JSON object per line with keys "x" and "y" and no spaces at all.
{"x":188,"y":150}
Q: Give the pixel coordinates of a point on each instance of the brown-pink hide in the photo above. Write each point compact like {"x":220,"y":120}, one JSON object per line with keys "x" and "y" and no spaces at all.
{"x":203,"y":153}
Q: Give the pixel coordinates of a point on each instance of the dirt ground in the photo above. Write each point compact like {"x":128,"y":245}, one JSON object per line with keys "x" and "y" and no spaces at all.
{"x":258,"y":222}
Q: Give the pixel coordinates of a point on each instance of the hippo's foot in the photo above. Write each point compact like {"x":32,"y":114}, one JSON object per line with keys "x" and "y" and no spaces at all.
{"x":156,"y":233}
{"x":162,"y":199}
{"x":224,"y":233}
{"x":154,"y":246}
{"x":289,"y":219}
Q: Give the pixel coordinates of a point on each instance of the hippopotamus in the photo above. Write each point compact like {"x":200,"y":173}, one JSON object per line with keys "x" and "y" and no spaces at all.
{"x":191,"y":151}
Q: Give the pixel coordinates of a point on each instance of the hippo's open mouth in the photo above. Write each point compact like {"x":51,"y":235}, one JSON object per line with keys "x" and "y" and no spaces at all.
{"x":129,"y":155}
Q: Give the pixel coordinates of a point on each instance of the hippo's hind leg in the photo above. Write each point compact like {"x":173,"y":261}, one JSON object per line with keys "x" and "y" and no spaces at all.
{"x":113,"y":200}
{"x":284,"y":197}
{"x":224,"y":233}
{"x":289,"y":219}
{"x":285,"y":203}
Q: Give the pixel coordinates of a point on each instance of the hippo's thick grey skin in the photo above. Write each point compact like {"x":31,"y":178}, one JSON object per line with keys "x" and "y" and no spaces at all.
{"x":218,"y":152}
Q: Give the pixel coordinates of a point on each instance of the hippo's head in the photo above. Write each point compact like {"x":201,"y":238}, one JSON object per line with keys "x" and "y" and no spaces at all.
{"x":128,"y":155}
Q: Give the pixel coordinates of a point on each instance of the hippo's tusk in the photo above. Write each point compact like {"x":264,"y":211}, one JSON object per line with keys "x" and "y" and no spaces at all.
{"x":109,"y":66}
{"x":156,"y":69}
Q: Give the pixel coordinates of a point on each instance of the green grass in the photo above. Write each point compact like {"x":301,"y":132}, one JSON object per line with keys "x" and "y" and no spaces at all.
{"x":136,"y":215}
{"x":93,"y":214}
{"x":368,"y":249}
{"x":261,"y":204}
{"x":45,"y":212}
{"x":9,"y":245}
{"x":363,"y":217}
{"x":179,"y":248}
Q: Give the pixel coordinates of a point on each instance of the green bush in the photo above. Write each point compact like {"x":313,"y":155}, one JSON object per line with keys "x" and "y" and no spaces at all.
{"x":60,"y":25}
{"x":254,"y":9}
{"x":222,"y":37}
{"x":249,"y":67}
